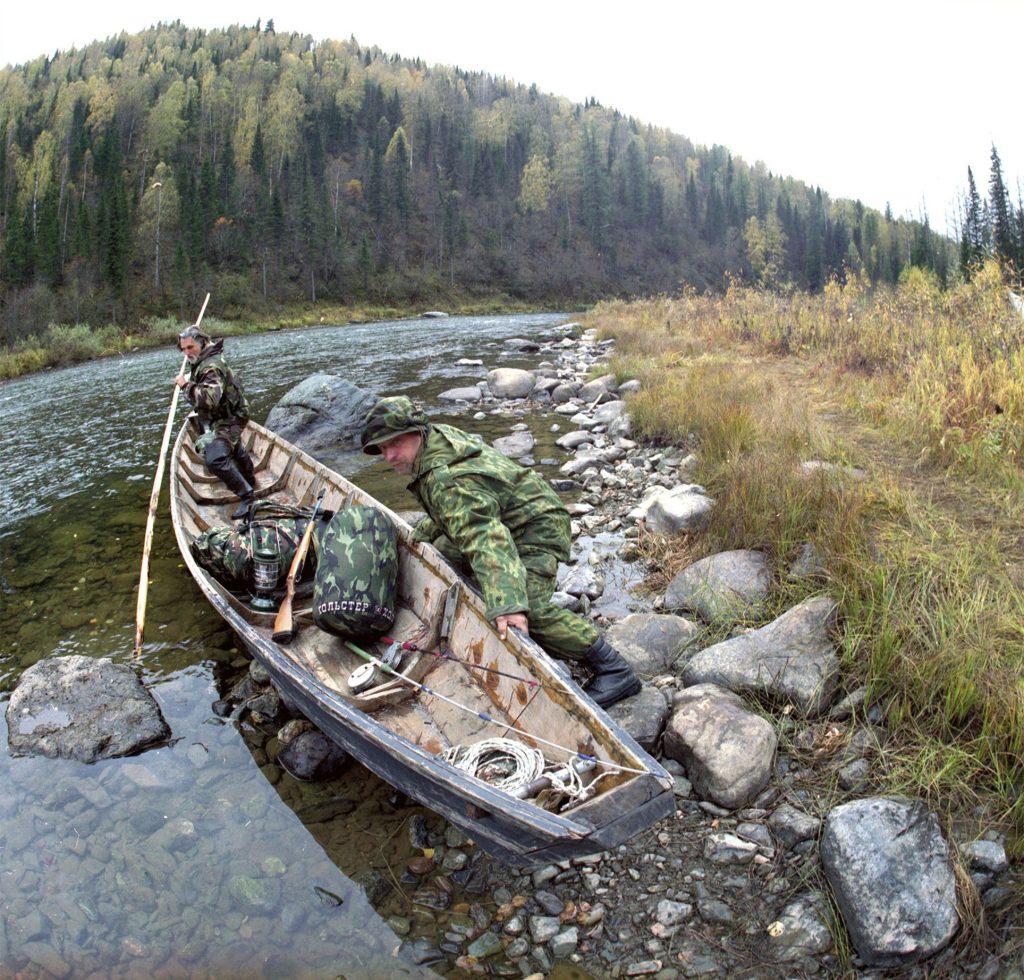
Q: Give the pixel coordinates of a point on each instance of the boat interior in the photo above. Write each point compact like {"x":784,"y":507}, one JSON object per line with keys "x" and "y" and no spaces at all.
{"x":441,"y":677}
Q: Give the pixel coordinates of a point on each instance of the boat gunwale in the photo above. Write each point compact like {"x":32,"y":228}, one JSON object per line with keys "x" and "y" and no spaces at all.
{"x":361,"y":726}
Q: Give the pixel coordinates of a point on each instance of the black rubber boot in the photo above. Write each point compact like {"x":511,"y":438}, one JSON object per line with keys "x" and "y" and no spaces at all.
{"x":244,"y":461}
{"x":613,"y":677}
{"x":220,"y":463}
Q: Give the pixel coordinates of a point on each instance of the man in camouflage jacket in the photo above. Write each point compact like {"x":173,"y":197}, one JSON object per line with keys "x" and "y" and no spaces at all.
{"x":504,"y":524}
{"x":218,"y":400}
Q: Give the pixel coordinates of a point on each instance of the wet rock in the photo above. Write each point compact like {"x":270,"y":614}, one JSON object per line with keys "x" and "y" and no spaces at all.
{"x":792,"y":659}
{"x":889,"y":868}
{"x":728,"y":586}
{"x":82,"y":708}
{"x":312,"y":755}
{"x":576,"y":439}
{"x":581,"y":580}
{"x":421,"y":952}
{"x":255,"y":894}
{"x":486,"y":944}
{"x":469,"y":393}
{"x":321,"y":412}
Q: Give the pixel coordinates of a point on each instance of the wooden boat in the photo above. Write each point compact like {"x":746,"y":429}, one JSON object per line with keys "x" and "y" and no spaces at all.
{"x":481,"y":688}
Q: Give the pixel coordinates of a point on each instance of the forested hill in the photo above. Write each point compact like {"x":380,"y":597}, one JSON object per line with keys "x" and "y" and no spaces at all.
{"x":144,"y":170}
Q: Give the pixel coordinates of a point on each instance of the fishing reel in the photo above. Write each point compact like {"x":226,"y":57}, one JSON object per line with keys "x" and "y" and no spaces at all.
{"x":371,"y":674}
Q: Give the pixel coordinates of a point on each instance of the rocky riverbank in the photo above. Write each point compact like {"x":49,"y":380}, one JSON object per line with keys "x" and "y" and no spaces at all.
{"x":781,"y":860}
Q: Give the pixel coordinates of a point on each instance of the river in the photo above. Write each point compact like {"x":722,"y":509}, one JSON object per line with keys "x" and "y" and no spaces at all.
{"x":198,"y":858}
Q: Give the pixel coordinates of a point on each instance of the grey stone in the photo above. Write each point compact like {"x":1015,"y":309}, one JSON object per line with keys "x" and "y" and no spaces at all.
{"x":791,"y":826}
{"x":515,"y":446}
{"x":792,"y":659}
{"x":469,"y":393}
{"x":323,"y":412}
{"x":986,"y":855}
{"x":510,"y":382}
{"x":685,"y":507}
{"x":890,"y":871}
{"x":727,"y":750}
{"x":728,"y":586}
{"x":801,"y":930}
{"x":82,"y":708}
{"x":653,"y":643}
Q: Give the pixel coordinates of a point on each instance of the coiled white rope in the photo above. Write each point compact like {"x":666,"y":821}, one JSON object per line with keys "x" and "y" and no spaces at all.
{"x":511,"y":766}
{"x":499,"y":762}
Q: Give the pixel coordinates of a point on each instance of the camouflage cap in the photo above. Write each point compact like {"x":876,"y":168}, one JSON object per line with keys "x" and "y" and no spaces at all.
{"x":389,"y":418}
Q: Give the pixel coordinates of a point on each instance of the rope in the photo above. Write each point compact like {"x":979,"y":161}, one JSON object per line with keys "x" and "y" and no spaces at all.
{"x":500,"y":762}
{"x":513,"y":767}
{"x":485,"y":717}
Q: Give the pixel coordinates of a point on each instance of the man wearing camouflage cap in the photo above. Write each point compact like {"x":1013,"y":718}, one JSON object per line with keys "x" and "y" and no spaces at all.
{"x":219,"y":401}
{"x":505,"y":523}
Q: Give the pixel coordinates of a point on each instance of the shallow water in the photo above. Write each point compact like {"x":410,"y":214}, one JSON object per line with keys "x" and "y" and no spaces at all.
{"x":200,"y":858}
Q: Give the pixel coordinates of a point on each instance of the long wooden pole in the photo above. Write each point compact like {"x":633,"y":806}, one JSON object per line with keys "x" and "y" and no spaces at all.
{"x":154,"y":498}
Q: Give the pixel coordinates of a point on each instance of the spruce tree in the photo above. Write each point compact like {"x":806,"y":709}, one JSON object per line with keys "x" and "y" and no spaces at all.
{"x":1003,"y":239}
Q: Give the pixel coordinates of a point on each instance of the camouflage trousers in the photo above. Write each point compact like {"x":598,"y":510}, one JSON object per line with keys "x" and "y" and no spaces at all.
{"x":560,"y":632}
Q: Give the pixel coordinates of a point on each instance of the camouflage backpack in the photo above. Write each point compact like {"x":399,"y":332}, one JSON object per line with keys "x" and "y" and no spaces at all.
{"x":226,"y":552}
{"x":357,"y":574}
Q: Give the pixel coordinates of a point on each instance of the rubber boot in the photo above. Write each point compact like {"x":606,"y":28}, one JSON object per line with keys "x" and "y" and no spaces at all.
{"x":227,"y":469}
{"x":244,"y":461}
{"x":613,"y":677}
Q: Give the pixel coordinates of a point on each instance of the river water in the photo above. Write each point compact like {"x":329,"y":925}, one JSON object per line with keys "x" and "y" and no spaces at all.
{"x":200,"y":858}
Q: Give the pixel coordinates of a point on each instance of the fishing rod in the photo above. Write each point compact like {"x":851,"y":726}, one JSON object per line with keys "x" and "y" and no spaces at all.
{"x":437,"y":654}
{"x":483,"y":716}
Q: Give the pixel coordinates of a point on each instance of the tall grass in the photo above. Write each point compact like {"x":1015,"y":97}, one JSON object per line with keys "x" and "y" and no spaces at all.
{"x":949,"y":366}
{"x":929,"y":573}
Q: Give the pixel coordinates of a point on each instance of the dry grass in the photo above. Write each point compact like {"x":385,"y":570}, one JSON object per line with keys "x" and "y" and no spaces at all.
{"x":924,"y":551}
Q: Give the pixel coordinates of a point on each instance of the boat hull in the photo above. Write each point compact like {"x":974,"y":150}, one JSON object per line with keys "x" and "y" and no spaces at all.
{"x":400,"y":731}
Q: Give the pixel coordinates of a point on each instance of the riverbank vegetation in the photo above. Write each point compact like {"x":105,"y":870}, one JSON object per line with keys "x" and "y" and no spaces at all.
{"x":917,"y":396}
{"x":60,"y":345}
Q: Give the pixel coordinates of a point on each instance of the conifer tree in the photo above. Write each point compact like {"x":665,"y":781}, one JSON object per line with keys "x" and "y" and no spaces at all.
{"x":972,"y":235}
{"x":1003,"y":238}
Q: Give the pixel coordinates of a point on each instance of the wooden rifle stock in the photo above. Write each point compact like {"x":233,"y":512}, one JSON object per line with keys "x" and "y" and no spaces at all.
{"x":284,"y":625}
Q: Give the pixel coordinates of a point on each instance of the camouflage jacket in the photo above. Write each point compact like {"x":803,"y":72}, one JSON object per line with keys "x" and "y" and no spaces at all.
{"x":215,"y":394}
{"x":502,"y":517}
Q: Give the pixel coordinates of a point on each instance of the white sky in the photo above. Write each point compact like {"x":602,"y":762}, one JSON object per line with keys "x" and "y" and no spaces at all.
{"x":881,"y":100}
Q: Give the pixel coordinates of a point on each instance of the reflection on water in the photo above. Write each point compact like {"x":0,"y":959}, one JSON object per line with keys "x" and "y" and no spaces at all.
{"x":200,"y":858}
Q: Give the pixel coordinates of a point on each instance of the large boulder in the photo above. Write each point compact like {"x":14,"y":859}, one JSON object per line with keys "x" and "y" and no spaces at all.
{"x":510,"y":382}
{"x":653,"y":643}
{"x":727,"y":750}
{"x":891,"y":872}
{"x":791,"y":659}
{"x":82,"y":708}
{"x":730,"y":585}
{"x":323,"y":412}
